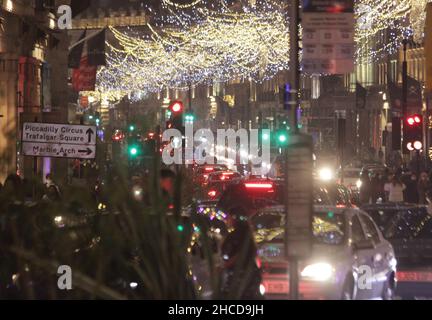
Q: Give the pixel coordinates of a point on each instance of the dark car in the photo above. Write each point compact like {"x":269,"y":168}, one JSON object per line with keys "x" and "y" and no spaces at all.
{"x":408,"y":227}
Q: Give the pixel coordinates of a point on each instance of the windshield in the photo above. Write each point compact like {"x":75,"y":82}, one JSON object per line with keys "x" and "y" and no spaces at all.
{"x":351,"y":174}
{"x":328,"y":227}
{"x":413,"y":223}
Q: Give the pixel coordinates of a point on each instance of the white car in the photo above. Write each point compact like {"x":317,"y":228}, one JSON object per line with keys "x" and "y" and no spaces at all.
{"x":352,"y":179}
{"x":350,"y":258}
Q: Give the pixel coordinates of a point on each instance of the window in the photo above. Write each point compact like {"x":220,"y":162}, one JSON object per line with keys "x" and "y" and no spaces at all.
{"x":357,"y":231}
{"x":370,"y":228}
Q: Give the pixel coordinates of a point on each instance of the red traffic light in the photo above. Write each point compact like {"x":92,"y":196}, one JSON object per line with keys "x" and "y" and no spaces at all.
{"x":417,"y":119}
{"x":176,"y":107}
{"x":411,"y":121}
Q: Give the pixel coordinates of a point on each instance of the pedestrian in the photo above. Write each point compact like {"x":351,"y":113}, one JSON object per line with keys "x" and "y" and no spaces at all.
{"x":395,"y":190}
{"x":365,"y":188}
{"x":423,"y":187}
{"x":375,"y":187}
{"x":411,"y":191}
{"x":241,"y":274}
{"x":167,"y":185}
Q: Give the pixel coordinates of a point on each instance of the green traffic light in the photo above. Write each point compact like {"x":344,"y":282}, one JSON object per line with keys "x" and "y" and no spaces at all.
{"x":133,"y":151}
{"x":131,"y":128}
{"x":265,"y":136}
{"x":189,"y":118}
{"x":180,"y":228}
{"x":283,"y":138}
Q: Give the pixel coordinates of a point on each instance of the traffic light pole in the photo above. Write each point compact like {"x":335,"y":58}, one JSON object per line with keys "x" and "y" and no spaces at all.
{"x":405,"y":151}
{"x":295,"y":90}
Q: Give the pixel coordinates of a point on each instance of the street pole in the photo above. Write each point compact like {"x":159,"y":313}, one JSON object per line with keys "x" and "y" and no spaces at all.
{"x":404,"y":80}
{"x":295,"y":90}
{"x":405,"y":151}
{"x":295,"y":63}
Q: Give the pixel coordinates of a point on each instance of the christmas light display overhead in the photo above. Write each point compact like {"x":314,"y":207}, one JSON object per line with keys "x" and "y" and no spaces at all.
{"x":202,"y":42}
{"x":203,"y":47}
{"x":381,"y":26}
{"x":418,"y":18}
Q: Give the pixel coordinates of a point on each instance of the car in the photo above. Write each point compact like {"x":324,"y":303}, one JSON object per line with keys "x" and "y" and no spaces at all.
{"x":374,"y":168}
{"x":408,"y":227}
{"x":201,"y":173}
{"x":217,"y":183}
{"x":351,"y":178}
{"x":350,"y":258}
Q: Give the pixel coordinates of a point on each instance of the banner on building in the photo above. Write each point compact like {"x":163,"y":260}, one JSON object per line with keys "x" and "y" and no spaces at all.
{"x":395,"y":95}
{"x":414,"y":96}
{"x":46,"y":87}
{"x":84,"y":78}
{"x":28,"y":83}
{"x":428,"y":47}
{"x":96,"y":49}
{"x":75,"y":53}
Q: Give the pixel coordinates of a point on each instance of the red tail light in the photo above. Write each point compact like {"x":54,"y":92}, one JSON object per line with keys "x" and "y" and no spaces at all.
{"x":209,"y":169}
{"x":212,"y":193}
{"x":258,"y":263}
{"x":264,"y":186}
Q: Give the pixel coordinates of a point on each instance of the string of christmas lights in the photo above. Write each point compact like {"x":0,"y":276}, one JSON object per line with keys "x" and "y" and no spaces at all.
{"x":181,"y":6}
{"x":218,"y":46}
{"x":203,"y":42}
{"x":418,"y":18}
{"x":381,"y":25}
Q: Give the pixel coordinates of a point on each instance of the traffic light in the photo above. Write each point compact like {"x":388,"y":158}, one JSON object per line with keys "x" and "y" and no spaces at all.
{"x":97,"y":119}
{"x":131,"y":128}
{"x":189,"y":118}
{"x":413,"y":132}
{"x":177,"y":109}
{"x":134,"y":148}
{"x":265,"y":133}
{"x":282,"y":138}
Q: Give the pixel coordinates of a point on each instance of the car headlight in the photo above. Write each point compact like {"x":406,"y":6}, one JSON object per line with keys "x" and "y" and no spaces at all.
{"x":326,"y":174}
{"x":318,"y":271}
{"x":359,"y":184}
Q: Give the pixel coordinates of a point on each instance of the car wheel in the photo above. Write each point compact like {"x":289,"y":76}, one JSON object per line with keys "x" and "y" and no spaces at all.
{"x":389,"y":289}
{"x":348,"y":289}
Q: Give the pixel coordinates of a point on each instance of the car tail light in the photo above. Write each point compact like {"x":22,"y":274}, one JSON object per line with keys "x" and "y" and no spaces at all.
{"x":263,"y":186}
{"x":228,"y":173}
{"x":212,"y":193}
{"x":209,"y":169}
{"x":258,"y":263}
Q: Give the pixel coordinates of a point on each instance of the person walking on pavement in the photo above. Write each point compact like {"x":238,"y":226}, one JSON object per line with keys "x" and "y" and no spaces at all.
{"x":395,"y":190}
{"x":376,"y":187}
{"x":242,"y":275}
{"x":411,"y":191}
{"x":423,"y":187}
{"x":365,"y":189}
